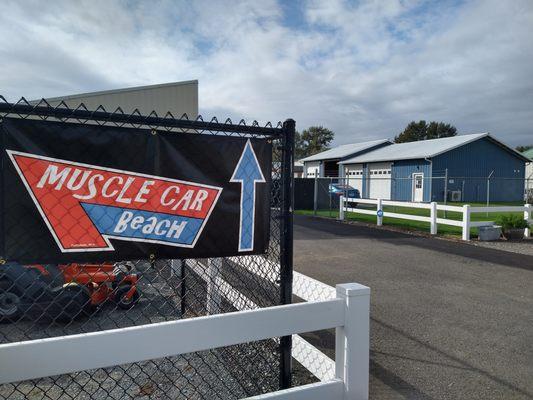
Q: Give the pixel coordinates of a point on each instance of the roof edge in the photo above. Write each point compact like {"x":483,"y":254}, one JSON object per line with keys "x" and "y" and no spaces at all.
{"x":480,"y":135}
{"x":376,"y":142}
{"x":380,"y":160}
{"x":122,"y":90}
{"x":509,"y":149}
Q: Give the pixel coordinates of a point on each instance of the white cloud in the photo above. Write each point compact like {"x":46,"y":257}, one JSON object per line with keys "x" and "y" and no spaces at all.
{"x":364,"y":70}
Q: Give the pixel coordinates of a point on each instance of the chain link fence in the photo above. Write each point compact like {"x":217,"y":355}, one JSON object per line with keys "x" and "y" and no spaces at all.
{"x":49,"y":300}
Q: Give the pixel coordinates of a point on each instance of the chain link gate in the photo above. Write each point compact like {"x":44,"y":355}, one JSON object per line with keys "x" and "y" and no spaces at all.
{"x":162,"y":289}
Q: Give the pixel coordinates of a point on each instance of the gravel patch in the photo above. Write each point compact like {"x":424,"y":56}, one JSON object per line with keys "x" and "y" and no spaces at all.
{"x":521,"y":247}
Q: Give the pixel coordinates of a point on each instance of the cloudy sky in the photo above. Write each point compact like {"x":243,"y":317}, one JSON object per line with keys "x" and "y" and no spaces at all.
{"x":363,"y":69}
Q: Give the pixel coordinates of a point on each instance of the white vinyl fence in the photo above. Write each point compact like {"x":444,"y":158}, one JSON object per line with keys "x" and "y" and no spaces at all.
{"x":466,"y":210}
{"x":346,"y":309}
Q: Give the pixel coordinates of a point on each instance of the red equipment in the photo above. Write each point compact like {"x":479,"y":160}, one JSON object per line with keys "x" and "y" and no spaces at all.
{"x":103,"y":281}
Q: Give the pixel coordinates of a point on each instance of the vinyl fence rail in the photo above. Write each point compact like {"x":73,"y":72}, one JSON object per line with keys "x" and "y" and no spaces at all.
{"x":348,"y":312}
{"x":466,"y":210}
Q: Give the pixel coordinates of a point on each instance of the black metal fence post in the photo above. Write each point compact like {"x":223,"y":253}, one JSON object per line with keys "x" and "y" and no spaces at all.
{"x":286,"y":243}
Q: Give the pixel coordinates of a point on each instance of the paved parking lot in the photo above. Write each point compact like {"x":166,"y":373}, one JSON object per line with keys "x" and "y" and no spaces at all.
{"x":448,"y":320}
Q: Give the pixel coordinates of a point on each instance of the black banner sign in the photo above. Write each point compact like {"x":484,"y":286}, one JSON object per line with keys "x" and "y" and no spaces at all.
{"x":73,"y":192}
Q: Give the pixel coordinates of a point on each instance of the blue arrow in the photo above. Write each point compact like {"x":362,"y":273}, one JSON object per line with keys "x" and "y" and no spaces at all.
{"x":248,"y":173}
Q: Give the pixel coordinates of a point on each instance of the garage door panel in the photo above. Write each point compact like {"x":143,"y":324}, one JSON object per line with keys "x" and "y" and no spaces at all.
{"x":379,"y":180}
{"x":312,"y":170}
{"x":354,"y":175}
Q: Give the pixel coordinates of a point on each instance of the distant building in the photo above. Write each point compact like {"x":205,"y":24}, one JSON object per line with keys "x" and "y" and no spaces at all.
{"x":298,"y":169}
{"x":529,"y":173}
{"x":416,"y":171}
{"x":325,"y":164}
{"x":177,"y":97}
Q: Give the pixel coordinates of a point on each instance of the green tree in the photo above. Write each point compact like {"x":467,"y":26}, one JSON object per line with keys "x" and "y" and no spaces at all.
{"x":521,"y":149}
{"x":312,"y":140}
{"x":299,"y":147}
{"x":421,"y":130}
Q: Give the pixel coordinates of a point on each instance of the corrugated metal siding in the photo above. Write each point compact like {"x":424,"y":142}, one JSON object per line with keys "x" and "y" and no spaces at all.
{"x":178,"y":98}
{"x":402,"y":179}
{"x":473,"y":163}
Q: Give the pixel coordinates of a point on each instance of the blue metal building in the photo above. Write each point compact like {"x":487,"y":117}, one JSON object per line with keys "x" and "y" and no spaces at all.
{"x":464,"y":167}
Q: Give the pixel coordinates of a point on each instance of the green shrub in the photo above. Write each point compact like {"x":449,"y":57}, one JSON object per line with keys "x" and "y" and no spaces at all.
{"x":512,"y":221}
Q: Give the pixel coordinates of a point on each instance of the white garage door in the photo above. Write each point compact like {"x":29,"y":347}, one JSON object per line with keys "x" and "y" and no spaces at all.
{"x":379,"y":180}
{"x":312,"y":169}
{"x":354,"y":175}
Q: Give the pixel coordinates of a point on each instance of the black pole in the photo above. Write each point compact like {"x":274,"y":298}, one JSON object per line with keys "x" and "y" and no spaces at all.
{"x":286,"y":243}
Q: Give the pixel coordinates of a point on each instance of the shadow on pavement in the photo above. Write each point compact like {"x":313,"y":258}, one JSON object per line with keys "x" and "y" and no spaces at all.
{"x":325,"y":341}
{"x":403,"y":239}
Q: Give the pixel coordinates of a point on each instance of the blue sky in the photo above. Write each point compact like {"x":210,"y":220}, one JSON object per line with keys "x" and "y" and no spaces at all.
{"x":364,"y":69}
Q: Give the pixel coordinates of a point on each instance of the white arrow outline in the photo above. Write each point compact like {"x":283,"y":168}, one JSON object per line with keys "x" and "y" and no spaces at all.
{"x":262,"y":180}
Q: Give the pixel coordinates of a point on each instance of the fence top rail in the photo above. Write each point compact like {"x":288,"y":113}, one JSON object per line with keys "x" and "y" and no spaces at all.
{"x":389,"y":203}
{"x":498,"y":209}
{"x":43,"y":109}
{"x":440,"y":207}
{"x":477,"y":224}
{"x":445,"y":207}
{"x":406,"y":204}
{"x":362,"y":201}
{"x":121,"y":346}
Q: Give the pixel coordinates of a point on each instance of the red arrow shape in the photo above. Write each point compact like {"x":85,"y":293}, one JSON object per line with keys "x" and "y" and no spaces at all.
{"x":59,"y":187}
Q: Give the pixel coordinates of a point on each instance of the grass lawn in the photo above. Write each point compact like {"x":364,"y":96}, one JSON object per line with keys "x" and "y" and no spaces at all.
{"x":416,"y":225}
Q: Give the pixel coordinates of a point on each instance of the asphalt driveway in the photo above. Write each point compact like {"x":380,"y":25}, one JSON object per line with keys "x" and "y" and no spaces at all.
{"x":448,"y":320}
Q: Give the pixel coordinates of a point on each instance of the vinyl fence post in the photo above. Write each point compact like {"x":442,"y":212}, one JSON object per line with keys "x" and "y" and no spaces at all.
{"x":341,"y":208}
{"x":379,"y":207}
{"x":352,"y":341}
{"x":466,"y":222}
{"x":433,"y":216}
{"x":527,"y":217}
{"x":214,"y":266}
